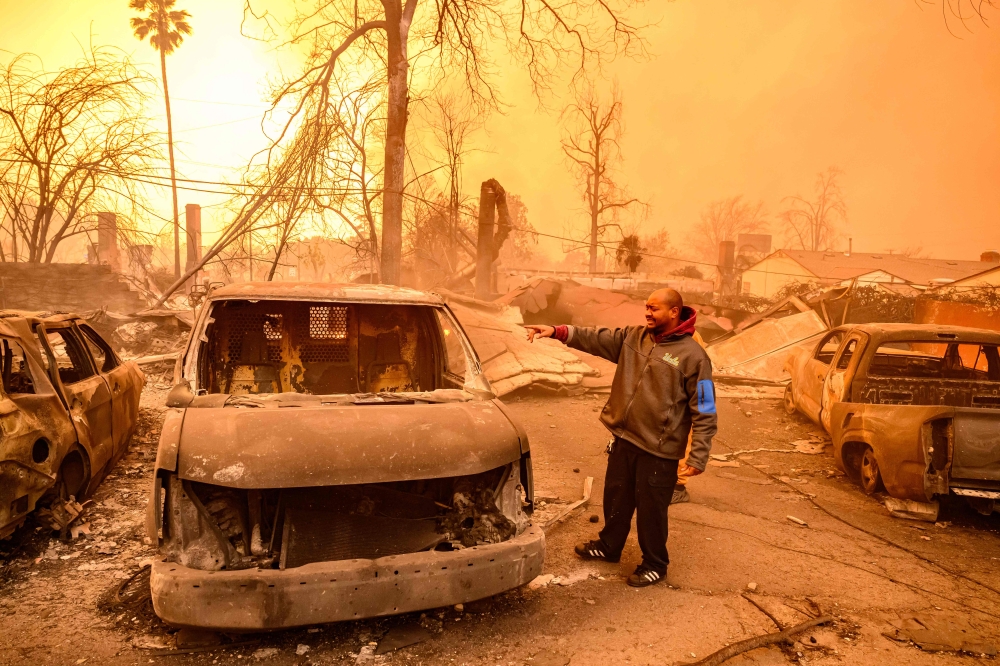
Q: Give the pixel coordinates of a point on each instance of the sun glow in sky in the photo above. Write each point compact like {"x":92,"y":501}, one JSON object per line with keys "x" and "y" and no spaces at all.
{"x":739,"y":97}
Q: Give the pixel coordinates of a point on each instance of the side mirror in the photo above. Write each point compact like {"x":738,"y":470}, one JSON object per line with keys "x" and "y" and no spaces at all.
{"x":180,"y":395}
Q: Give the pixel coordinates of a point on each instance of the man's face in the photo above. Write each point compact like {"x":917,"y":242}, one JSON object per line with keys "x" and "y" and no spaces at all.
{"x":659,"y":317}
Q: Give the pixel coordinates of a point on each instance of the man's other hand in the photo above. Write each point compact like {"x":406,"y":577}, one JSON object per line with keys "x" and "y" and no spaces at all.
{"x":694,"y":471}
{"x":539,"y":332}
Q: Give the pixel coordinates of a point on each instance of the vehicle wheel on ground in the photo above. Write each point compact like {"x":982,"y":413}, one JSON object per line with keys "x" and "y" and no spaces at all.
{"x":871,"y":478}
{"x":789,"y":399}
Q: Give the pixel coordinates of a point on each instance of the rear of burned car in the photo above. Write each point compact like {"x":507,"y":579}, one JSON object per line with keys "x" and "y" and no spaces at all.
{"x":926,"y":400}
{"x":334,"y":453}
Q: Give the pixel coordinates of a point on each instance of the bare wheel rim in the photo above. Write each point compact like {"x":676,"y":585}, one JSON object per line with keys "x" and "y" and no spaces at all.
{"x":789,"y":400}
{"x":869,"y":471}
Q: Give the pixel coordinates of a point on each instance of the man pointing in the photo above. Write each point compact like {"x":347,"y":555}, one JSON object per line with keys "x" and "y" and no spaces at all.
{"x":661,"y":393}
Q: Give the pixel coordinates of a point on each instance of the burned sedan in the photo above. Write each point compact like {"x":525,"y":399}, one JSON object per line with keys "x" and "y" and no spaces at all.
{"x":911,"y":408}
{"x":333,"y":453}
{"x":68,"y":410}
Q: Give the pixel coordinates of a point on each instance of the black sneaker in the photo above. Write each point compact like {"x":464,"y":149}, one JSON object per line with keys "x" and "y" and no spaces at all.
{"x":680,"y":495}
{"x":644,"y":577}
{"x":595,"y":550}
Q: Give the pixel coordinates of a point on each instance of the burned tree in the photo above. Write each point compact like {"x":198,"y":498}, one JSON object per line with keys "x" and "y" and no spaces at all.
{"x":451,"y":123}
{"x":454,"y":38}
{"x":724,"y":220}
{"x":593,"y":146}
{"x":814,"y":224}
{"x":74,"y":142}
{"x":964,"y":11}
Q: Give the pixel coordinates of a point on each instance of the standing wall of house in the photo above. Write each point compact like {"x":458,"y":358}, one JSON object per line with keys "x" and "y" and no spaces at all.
{"x":988,"y":279}
{"x":770,"y":275}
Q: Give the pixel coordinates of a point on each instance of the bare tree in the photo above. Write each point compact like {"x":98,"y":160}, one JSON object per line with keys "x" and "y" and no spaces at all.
{"x":963,"y":11}
{"x":165,"y":28}
{"x":448,"y":38}
{"x":592,"y":143}
{"x":814,"y":224}
{"x":724,"y":220}
{"x":73,"y":143}
{"x":451,"y":121}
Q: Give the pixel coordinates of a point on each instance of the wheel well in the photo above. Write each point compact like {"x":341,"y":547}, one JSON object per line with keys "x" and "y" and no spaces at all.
{"x":74,"y":472}
{"x":851,"y":453}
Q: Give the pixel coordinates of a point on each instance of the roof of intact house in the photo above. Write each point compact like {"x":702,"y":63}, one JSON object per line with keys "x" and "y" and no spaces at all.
{"x":841,"y":266}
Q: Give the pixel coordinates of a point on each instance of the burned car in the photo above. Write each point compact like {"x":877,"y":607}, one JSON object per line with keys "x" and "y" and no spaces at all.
{"x":68,"y":410}
{"x":334,"y":452}
{"x":911,"y":408}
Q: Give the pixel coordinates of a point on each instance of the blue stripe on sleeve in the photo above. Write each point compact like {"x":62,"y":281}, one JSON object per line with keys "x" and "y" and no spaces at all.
{"x":706,"y":396}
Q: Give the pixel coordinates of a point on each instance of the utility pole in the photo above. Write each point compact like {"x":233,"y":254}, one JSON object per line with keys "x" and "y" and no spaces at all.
{"x":727,"y":269}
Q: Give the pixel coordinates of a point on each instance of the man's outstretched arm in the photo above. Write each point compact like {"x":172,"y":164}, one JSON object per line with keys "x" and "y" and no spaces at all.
{"x":604,"y":342}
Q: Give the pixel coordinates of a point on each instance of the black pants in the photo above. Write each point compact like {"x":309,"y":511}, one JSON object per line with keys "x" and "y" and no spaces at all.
{"x":638,"y":482}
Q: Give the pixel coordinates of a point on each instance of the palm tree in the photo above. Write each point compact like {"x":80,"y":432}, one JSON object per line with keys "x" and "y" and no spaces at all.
{"x":629,"y":253}
{"x":165,"y":28}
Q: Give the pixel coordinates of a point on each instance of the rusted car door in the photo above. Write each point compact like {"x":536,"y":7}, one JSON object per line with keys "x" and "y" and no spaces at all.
{"x":838,"y":378}
{"x":813,"y":374}
{"x":87,"y":394}
{"x":124,"y":396}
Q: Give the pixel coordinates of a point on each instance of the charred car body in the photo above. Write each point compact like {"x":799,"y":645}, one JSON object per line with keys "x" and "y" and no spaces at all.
{"x":911,"y":408}
{"x":68,"y":410}
{"x":334,"y":452}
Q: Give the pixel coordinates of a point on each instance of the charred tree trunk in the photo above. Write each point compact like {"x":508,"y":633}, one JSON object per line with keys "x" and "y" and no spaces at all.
{"x":398,"y":20}
{"x":595,"y":210}
{"x":484,"y":254}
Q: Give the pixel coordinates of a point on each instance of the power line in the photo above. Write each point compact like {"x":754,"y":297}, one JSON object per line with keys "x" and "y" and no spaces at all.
{"x":228,"y":122}
{"x":214,"y":102}
{"x":356,"y":190}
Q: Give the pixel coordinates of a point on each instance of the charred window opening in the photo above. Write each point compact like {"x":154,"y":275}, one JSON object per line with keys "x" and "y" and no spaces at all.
{"x":296,"y":526}
{"x":69,"y":355}
{"x":321,"y":348}
{"x":917,"y":372}
{"x":16,"y":375}
{"x":828,"y":348}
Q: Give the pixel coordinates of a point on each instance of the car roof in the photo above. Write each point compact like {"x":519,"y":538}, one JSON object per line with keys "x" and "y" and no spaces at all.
{"x":324,"y":291}
{"x":43,"y":317}
{"x":925,"y":332}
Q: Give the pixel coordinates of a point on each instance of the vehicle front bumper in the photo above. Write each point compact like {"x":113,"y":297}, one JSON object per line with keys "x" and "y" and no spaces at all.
{"x":254,"y":599}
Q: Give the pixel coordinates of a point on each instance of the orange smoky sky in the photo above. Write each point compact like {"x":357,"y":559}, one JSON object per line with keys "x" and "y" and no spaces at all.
{"x":738,"y":97}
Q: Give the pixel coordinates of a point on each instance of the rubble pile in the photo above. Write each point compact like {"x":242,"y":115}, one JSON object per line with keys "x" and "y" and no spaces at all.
{"x":509,"y":361}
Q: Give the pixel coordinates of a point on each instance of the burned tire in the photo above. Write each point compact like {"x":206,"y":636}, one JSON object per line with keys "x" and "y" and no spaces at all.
{"x":870,"y":477}
{"x":789,"y":400}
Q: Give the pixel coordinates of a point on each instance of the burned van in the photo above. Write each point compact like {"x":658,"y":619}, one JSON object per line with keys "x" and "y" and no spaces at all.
{"x":334,"y":452}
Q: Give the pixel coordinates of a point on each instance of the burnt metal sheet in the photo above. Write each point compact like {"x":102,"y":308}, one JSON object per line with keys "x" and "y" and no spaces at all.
{"x":254,"y":599}
{"x":293,"y":447}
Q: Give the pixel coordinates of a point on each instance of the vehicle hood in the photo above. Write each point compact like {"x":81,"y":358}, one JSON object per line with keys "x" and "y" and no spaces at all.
{"x":299,"y":446}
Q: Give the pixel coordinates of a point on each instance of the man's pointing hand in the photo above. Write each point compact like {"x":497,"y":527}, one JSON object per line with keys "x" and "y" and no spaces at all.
{"x":539,"y":332}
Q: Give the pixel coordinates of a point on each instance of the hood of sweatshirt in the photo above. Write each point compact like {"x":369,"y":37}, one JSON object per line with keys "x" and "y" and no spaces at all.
{"x":686,"y":326}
